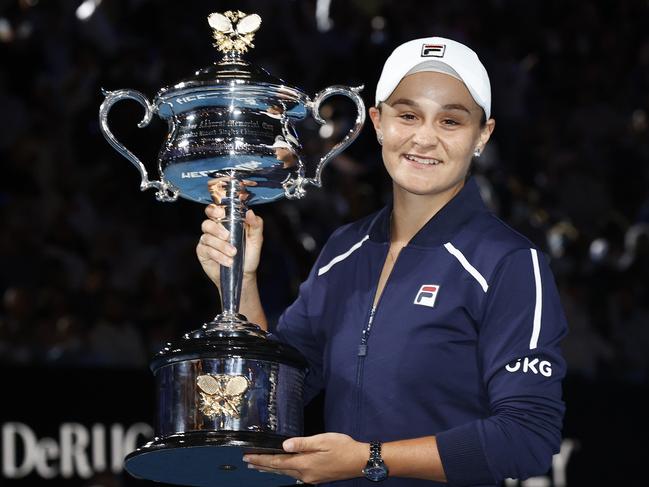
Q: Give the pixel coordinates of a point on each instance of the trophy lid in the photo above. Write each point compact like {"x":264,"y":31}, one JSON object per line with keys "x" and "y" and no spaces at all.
{"x":232,"y":76}
{"x":237,"y":345}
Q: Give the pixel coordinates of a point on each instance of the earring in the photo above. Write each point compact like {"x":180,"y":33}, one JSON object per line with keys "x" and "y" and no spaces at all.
{"x":379,"y":138}
{"x":476,"y":152}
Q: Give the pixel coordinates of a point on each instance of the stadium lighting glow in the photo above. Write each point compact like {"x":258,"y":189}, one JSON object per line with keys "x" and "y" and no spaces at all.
{"x":86,"y":9}
{"x":323,"y":21}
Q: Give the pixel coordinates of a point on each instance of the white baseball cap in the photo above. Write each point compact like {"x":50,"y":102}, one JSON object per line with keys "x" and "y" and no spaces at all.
{"x":440,"y":55}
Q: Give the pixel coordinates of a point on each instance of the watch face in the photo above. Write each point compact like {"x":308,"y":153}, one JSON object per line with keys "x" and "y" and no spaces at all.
{"x":376,"y":473}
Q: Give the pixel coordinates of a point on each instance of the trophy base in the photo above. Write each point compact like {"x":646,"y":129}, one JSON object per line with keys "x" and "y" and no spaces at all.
{"x":206,"y":459}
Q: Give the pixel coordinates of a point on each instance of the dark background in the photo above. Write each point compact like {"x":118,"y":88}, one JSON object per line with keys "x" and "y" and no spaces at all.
{"x":95,"y":276}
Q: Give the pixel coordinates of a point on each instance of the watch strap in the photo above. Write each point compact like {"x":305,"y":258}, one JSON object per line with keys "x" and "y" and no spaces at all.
{"x":375,"y":451}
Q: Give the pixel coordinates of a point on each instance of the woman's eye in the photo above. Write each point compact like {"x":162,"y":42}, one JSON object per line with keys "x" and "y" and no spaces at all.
{"x":407,"y":116}
{"x":449,"y":121}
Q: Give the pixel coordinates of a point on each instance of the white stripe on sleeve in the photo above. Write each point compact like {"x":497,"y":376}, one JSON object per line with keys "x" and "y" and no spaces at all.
{"x":465,"y":263}
{"x":342,"y":257}
{"x":538,"y":308}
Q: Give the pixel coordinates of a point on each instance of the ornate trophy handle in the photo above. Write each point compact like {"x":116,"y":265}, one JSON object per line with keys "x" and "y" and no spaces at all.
{"x":294,"y":188}
{"x":165,"y":192}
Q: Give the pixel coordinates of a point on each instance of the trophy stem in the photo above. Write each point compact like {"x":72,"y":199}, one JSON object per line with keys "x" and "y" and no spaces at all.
{"x":231,"y":277}
{"x":229,"y":192}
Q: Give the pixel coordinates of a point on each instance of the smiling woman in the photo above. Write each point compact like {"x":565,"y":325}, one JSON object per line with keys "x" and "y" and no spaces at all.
{"x":413,"y":318}
{"x":430,"y":120}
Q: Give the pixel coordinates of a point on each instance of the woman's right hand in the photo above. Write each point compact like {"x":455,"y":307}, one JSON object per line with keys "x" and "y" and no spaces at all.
{"x":214,"y":250}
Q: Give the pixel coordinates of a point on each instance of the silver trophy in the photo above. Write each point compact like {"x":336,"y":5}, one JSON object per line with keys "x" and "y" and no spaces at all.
{"x":226,"y":389}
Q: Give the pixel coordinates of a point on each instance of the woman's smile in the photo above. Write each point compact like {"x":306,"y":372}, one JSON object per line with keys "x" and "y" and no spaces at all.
{"x":417,"y":160}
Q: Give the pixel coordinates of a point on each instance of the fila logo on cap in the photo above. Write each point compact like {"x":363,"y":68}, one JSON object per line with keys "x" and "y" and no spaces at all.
{"x":427,"y":295}
{"x":433,"y":50}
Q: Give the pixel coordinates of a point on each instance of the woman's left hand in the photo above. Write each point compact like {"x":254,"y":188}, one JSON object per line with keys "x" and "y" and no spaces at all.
{"x":315,"y":459}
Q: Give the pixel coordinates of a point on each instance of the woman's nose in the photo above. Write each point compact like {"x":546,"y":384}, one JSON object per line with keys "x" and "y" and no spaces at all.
{"x":425,"y":136}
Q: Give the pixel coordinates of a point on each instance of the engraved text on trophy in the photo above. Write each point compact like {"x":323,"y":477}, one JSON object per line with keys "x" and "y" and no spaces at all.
{"x":216,"y":131}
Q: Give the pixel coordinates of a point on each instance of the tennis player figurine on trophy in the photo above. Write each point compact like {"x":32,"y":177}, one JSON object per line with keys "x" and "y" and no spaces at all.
{"x":226,"y":389}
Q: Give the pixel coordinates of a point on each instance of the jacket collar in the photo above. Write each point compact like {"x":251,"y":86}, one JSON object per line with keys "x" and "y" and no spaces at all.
{"x":443,"y":225}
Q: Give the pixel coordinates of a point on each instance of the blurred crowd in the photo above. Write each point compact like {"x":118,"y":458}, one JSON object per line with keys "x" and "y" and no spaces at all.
{"x":95,"y":273}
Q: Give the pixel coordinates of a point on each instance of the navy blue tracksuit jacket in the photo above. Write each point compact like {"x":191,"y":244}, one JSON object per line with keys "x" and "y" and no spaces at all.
{"x":464,"y":342}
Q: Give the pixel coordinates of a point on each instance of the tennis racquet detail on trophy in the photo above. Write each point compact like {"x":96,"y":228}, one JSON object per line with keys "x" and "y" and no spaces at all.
{"x":226,"y":388}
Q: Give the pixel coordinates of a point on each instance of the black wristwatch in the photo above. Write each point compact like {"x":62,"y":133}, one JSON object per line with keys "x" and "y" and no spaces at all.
{"x":376,"y":470}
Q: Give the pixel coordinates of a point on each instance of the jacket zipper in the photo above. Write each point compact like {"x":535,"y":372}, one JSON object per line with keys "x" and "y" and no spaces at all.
{"x":362,"y":352}
{"x":363,"y":346}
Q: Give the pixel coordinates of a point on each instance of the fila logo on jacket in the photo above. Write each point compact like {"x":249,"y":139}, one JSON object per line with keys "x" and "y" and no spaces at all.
{"x":427,"y":295}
